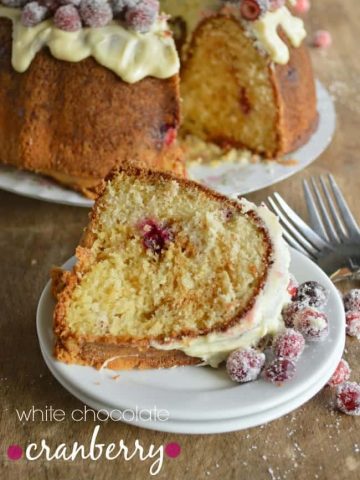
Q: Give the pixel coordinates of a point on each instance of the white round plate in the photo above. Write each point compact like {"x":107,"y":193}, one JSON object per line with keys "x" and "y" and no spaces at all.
{"x":201,"y":398}
{"x":229,"y":178}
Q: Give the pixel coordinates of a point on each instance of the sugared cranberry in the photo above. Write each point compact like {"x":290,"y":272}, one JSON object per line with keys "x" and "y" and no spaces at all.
{"x":280,"y":370}
{"x":302,"y":6}
{"x":252,"y":9}
{"x":51,"y":5}
{"x":33,"y":13}
{"x":353,"y":324}
{"x":67,"y":18}
{"x":341,"y":374}
{"x":275,"y":4}
{"x":245,"y":365}
{"x":312,"y":294}
{"x":348,"y":398}
{"x":142,"y":16}
{"x":352,"y":300}
{"x":289,"y":311}
{"x":322,"y":39}
{"x":289,"y":344}
{"x":119,"y":6}
{"x":155,"y":236}
{"x":312,"y":324}
{"x":95,"y":13}
{"x":293,"y":287}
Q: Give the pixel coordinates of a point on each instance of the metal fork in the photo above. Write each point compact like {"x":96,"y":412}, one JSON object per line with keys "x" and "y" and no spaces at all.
{"x":334,"y":240}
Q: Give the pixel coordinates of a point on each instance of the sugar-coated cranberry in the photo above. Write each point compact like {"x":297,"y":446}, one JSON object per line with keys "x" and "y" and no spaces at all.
{"x":289,"y":344}
{"x":341,"y":374}
{"x":322,"y":39}
{"x":95,"y":13}
{"x":275,"y":4}
{"x":252,"y":9}
{"x":293,"y":286}
{"x":51,"y":5}
{"x":348,"y":398}
{"x":352,"y":300}
{"x":279,"y":370}
{"x":289,"y":311}
{"x":33,"y":13}
{"x":353,"y":324}
{"x":245,"y":365}
{"x":155,"y":236}
{"x":119,"y":6}
{"x":312,"y":324}
{"x":142,"y":16}
{"x":67,"y":18}
{"x":312,"y":294}
{"x":302,"y":6}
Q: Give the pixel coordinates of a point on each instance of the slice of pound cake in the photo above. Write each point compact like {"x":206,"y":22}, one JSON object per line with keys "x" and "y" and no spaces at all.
{"x":169,"y":273}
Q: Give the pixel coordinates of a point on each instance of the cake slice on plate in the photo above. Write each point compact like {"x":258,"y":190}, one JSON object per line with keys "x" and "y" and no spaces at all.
{"x":169,"y":273}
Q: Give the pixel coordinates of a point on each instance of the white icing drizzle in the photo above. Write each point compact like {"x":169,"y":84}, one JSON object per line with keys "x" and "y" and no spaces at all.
{"x":266,"y":30}
{"x":131,"y":55}
{"x":265,"y":316}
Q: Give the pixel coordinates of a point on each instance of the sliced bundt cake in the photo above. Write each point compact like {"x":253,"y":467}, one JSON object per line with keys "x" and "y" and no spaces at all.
{"x":169,"y":273}
{"x":81,"y":93}
{"x":246,"y":77}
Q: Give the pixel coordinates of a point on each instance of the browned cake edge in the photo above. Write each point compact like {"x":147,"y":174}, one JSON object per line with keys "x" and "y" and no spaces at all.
{"x":130,"y":352}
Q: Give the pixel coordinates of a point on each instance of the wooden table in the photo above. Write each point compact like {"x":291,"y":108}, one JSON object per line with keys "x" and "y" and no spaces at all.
{"x":313,"y":442}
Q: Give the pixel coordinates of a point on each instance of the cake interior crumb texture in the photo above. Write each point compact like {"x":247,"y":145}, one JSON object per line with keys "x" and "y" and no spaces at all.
{"x":207,"y":272}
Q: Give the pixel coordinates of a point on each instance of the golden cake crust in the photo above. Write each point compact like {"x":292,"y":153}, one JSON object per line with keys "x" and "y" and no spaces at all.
{"x":77,"y":121}
{"x":121,"y":352}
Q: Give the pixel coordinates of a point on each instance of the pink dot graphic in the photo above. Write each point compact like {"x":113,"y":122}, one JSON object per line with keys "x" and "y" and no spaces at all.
{"x":172,"y":450}
{"x":14,"y":452}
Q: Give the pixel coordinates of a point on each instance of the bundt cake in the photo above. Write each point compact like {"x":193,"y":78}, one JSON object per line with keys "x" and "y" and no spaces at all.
{"x":81,"y":93}
{"x":169,"y":273}
{"x":246,"y":76}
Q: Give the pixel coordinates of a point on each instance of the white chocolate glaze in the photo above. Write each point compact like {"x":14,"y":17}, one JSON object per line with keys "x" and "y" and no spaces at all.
{"x":265,"y":316}
{"x":131,"y":55}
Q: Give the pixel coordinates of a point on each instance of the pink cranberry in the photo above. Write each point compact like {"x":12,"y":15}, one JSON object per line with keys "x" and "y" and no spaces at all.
{"x":348,"y":398}
{"x":302,"y":6}
{"x":95,"y":13}
{"x":353,"y":324}
{"x":155,"y":236}
{"x":352,"y":300}
{"x":33,"y":13}
{"x":280,"y":370}
{"x":312,"y":294}
{"x":293,"y":287}
{"x":142,"y":16}
{"x":341,"y":374}
{"x":289,"y":311}
{"x":252,"y":9}
{"x":67,"y":18}
{"x":322,"y":39}
{"x":312,"y":324}
{"x":245,"y":365}
{"x":289,"y":344}
{"x":169,"y":134}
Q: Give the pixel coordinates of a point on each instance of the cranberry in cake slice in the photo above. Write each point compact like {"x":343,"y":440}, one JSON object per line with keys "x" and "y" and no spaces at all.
{"x":170,"y":273}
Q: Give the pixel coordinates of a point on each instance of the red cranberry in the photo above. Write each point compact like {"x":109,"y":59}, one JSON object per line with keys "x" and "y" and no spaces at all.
{"x":252,"y":9}
{"x":353,"y":324}
{"x":289,"y":344}
{"x":245,"y":365}
{"x":312,"y":324}
{"x":67,"y":18}
{"x":293,"y":287}
{"x":302,"y":6}
{"x":322,"y":39}
{"x":142,"y":16}
{"x":280,"y":370}
{"x":348,"y":398}
{"x":312,"y":294}
{"x":352,"y":300}
{"x":95,"y":13}
{"x":289,"y":311}
{"x":33,"y":13}
{"x":341,"y":374}
{"x":155,"y":237}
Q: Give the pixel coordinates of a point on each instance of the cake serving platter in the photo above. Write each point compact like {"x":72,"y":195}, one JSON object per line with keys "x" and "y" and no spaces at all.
{"x":201,"y":399}
{"x":227,"y":178}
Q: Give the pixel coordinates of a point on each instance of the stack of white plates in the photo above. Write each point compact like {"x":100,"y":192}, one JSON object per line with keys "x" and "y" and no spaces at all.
{"x":199,"y":399}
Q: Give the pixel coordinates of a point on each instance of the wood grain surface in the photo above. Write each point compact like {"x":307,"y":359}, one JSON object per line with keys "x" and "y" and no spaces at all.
{"x":314,"y":442}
